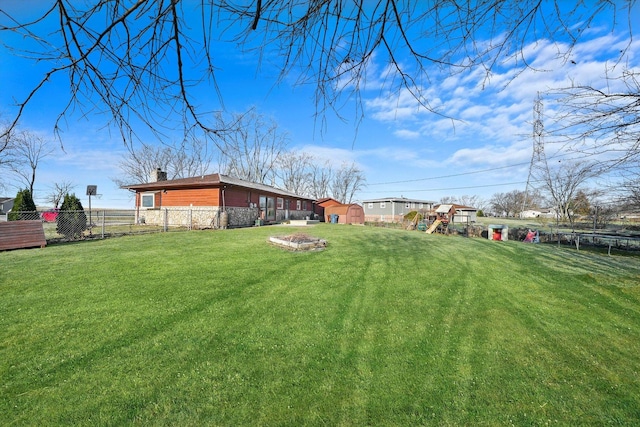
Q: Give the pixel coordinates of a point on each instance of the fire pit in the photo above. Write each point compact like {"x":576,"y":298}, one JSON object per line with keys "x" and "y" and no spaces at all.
{"x":299,"y":242}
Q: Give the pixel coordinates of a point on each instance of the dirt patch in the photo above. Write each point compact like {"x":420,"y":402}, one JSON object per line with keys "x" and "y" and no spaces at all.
{"x":299,"y":242}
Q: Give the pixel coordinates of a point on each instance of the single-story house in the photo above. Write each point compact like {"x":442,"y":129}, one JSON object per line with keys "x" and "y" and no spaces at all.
{"x":538,"y":213}
{"x":393,"y":209}
{"x":457,"y":214}
{"x":464,"y":214}
{"x":215,"y":200}
{"x":347,"y":214}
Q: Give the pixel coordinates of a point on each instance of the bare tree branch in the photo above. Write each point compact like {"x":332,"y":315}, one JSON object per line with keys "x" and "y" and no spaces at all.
{"x":128,"y":59}
{"x":603,"y":121}
{"x":251,"y":146}
{"x":28,"y":150}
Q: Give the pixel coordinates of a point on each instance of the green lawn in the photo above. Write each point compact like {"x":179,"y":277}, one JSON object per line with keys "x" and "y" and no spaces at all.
{"x":385,"y":327}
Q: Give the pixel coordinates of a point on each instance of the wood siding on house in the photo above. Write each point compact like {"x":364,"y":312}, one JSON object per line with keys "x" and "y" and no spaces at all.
{"x":244,"y":201}
{"x":190,"y":197}
{"x":236,"y":198}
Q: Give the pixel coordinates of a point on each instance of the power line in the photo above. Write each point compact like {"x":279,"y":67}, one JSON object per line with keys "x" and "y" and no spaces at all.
{"x":451,"y":175}
{"x":556,"y":156}
{"x":462,"y":188}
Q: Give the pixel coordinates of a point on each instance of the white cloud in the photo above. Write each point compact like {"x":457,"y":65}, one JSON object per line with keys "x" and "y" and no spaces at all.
{"x":406,"y":134}
{"x":495,"y":111}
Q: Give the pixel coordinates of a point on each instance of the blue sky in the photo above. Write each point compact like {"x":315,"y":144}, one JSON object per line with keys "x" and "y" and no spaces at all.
{"x":402,"y":149}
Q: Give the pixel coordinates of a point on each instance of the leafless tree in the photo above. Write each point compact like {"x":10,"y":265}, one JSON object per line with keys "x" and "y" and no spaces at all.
{"x":466,"y":200}
{"x":347,"y":181}
{"x":5,"y":153}
{"x":191,"y":157}
{"x":294,"y":172}
{"x":133,"y":60}
{"x":58,"y":191}
{"x":508,"y":204}
{"x":500,"y":204}
{"x":563,"y":182}
{"x":187,"y":158}
{"x":251,"y":146}
{"x":136,"y":165}
{"x":627,"y":191}
{"x":27,"y":151}
{"x":602,"y":122}
{"x":320,"y":178}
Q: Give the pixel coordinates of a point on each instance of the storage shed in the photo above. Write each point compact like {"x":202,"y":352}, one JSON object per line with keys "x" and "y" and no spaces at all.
{"x":347,"y":214}
{"x":322,"y":204}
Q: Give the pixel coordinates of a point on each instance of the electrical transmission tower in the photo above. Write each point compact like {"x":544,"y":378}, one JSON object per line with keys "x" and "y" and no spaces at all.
{"x":538,"y":158}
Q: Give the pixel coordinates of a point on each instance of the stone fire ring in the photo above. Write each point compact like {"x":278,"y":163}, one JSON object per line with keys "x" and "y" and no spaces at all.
{"x":299,"y":242}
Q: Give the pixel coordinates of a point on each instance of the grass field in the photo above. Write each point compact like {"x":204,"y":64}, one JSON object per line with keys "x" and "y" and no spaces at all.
{"x":384,"y":327}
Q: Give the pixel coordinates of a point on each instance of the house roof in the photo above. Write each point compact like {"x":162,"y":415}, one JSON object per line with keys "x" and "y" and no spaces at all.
{"x":443,"y":208}
{"x":464,"y":208}
{"x":398,"y":199}
{"x":327,"y":201}
{"x":212,"y":180}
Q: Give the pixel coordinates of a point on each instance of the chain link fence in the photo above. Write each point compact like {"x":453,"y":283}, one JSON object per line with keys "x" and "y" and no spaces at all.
{"x":60,"y":226}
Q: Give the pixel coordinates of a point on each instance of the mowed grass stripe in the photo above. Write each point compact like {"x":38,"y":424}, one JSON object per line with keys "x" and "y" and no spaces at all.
{"x":384,"y":327}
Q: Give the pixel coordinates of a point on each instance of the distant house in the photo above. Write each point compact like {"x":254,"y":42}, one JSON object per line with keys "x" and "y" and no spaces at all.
{"x":464,"y":214}
{"x":538,"y":213}
{"x":530,"y":213}
{"x":457,"y":214}
{"x":6,"y":204}
{"x":393,"y":209}
{"x":204,"y":199}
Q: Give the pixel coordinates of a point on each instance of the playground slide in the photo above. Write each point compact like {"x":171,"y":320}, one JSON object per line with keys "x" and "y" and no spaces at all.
{"x":433,"y":226}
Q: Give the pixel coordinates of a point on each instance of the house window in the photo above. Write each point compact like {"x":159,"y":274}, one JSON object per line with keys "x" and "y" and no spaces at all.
{"x":147,"y":200}
{"x":370,"y":206}
{"x":280,"y":203}
{"x":383,"y":205}
{"x":304,"y":205}
{"x":298,"y":204}
{"x":421,"y":205}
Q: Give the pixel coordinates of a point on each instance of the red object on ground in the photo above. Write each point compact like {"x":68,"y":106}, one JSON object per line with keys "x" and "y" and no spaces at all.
{"x":497,"y":235}
{"x":50,"y":216}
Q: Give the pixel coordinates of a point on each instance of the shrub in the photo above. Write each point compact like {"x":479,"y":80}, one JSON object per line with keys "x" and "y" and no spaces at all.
{"x":23,"y":207}
{"x":411,"y":215}
{"x":72,"y":220}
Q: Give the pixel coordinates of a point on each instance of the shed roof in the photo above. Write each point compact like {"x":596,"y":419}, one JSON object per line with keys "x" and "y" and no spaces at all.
{"x":211,"y":180}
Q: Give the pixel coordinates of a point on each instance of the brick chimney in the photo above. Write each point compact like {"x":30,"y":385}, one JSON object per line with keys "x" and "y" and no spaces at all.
{"x":158,"y":175}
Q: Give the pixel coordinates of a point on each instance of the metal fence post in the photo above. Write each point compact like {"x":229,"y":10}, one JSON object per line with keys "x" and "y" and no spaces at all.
{"x":103,"y":220}
{"x":166,"y":219}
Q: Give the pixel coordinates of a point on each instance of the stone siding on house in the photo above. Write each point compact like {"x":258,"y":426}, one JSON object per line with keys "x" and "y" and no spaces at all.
{"x":207,"y":216}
